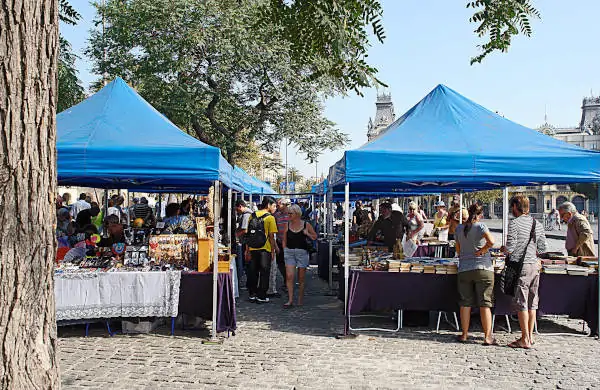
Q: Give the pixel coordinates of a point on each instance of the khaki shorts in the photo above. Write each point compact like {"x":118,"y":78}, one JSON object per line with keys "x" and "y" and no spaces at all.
{"x":476,"y":288}
{"x":526,"y":293}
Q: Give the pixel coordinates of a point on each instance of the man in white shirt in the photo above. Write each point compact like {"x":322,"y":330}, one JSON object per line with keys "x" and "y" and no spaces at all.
{"x":81,"y":204}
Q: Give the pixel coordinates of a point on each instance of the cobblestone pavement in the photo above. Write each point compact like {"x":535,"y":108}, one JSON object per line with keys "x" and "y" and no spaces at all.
{"x":278,"y":348}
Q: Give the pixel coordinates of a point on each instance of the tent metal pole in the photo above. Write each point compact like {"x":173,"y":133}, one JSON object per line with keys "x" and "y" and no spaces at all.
{"x":216,"y":197}
{"x":158,"y":213}
{"x":229,"y":213}
{"x":105,"y":203}
{"x":128,"y":209}
{"x":460,"y":200}
{"x":330,"y":242}
{"x":504,"y":215}
{"x":346,"y":247}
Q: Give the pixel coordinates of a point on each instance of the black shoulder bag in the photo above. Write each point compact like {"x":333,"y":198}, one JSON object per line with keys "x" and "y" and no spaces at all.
{"x":310,"y":246}
{"x":512,"y":269}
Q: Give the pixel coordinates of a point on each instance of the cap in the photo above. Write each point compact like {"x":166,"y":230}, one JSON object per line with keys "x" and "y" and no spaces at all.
{"x":440,"y":204}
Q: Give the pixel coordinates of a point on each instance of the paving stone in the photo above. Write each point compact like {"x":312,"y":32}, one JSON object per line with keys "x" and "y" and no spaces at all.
{"x":296,"y":349}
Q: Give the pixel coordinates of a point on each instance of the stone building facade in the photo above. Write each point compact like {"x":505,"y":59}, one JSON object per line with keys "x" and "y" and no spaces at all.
{"x":384,"y":116}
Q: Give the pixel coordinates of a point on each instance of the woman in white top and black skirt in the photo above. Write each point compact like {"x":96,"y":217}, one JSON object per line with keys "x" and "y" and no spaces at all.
{"x":295,"y":251}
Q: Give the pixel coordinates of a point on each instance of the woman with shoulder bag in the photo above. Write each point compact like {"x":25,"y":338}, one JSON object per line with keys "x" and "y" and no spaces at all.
{"x":524,"y":241}
{"x":296,"y":252}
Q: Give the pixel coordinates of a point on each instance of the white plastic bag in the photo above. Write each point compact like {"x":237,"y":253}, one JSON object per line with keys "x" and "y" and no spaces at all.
{"x":443,"y":235}
{"x":409,"y":247}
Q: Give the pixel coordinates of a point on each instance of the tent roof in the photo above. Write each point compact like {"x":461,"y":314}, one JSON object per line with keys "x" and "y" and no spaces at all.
{"x":447,"y":142}
{"x":116,"y":139}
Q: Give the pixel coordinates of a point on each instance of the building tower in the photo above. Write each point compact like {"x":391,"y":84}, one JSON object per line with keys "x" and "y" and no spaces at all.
{"x":590,"y":115}
{"x":384,"y":115}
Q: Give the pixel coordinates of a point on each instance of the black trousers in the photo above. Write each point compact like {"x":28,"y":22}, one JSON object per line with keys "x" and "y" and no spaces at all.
{"x":258,"y":277}
{"x":280,"y":260}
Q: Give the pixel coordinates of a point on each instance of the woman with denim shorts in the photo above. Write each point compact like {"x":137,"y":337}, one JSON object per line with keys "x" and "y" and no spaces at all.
{"x":295,"y":252}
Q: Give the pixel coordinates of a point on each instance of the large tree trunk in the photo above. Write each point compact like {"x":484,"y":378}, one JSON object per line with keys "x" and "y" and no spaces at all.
{"x":28,"y":57}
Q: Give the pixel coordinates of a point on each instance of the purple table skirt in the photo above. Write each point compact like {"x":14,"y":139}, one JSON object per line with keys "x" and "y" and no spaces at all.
{"x":195,"y":298}
{"x":576,"y":296}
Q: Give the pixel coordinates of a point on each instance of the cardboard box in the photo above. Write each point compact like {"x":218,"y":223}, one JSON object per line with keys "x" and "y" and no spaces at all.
{"x":205,"y":250}
{"x":141,"y":327}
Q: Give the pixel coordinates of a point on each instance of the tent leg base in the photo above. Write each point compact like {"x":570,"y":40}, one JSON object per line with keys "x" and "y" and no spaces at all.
{"x":349,"y":336}
{"x":213,"y":341}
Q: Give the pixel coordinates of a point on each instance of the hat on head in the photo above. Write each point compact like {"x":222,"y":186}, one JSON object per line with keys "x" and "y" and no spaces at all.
{"x":396,"y":207}
{"x":440,"y":204}
{"x":285,"y":201}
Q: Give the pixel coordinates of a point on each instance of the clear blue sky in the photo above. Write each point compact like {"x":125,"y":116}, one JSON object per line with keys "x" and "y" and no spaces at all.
{"x":430,"y":42}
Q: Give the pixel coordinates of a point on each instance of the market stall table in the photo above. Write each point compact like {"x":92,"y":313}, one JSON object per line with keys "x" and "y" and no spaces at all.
{"x":195,"y":298}
{"x":373,"y":291}
{"x":104,"y":295}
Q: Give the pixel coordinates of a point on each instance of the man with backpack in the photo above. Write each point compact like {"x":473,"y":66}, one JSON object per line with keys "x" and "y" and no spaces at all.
{"x":260,"y":238}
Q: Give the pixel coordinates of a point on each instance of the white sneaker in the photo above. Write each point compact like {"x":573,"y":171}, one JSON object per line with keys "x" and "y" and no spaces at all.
{"x":259,"y":300}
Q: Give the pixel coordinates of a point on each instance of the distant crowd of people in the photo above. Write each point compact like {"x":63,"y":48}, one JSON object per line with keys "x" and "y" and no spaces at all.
{"x":77,"y":221}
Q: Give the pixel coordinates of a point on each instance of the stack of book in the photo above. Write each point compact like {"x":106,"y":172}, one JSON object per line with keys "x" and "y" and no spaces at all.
{"x":405,"y":267}
{"x":394,"y":265}
{"x":588,"y":261}
{"x":498,"y":265}
{"x":577,"y":270}
{"x":441,"y":269}
{"x":429,"y":268}
{"x":452,"y":269}
{"x":555,"y":269}
{"x":417,"y":268}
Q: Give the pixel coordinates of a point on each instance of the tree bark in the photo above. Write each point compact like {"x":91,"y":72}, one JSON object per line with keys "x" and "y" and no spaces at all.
{"x":28,"y":58}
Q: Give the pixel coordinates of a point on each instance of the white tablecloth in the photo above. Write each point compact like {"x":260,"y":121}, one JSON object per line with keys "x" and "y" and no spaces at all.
{"x":116,"y":294}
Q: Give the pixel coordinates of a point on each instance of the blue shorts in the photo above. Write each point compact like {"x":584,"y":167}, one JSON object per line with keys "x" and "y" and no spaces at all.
{"x":296,"y":257}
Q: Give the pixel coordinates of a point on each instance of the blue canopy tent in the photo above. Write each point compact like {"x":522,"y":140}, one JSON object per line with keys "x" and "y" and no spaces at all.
{"x":115,"y":139}
{"x":448,"y":143}
{"x":241,"y":180}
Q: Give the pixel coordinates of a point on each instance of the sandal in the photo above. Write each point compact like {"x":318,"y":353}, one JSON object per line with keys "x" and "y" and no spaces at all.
{"x":460,"y":339}
{"x":494,"y":342}
{"x":287,"y":305}
{"x":518,"y":344}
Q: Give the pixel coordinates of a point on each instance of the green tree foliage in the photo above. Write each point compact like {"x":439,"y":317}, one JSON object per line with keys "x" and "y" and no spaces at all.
{"x":499,"y":21}
{"x":216,"y":72}
{"x":330,"y":37}
{"x":335,"y":33}
{"x":70,"y":91}
{"x":484,"y":196}
{"x":589,"y":190}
